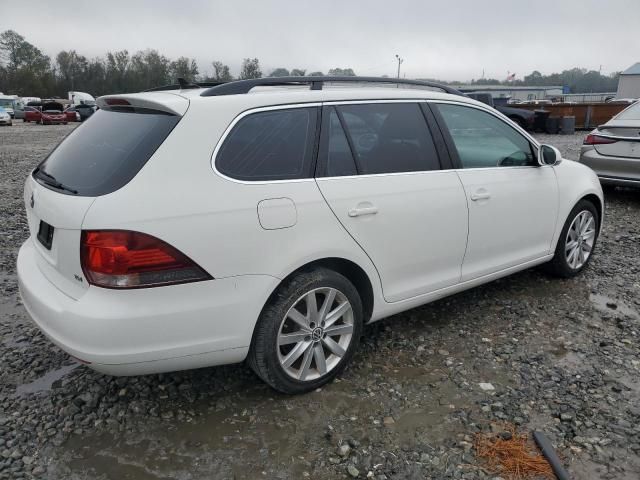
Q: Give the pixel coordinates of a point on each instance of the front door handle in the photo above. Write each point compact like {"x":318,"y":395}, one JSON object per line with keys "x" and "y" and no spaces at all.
{"x":362,"y":210}
{"x":480,"y":195}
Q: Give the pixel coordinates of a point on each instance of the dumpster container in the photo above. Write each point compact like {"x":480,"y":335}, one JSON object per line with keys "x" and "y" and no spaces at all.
{"x":553,"y":125}
{"x":540,"y":120}
{"x":568,"y":125}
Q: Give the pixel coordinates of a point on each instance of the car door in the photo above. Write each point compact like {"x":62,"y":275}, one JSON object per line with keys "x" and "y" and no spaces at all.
{"x":513,"y":201}
{"x":379,"y":171}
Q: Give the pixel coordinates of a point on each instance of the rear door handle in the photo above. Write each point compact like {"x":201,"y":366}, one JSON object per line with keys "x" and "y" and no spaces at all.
{"x":480,"y":196}
{"x":359,"y":211}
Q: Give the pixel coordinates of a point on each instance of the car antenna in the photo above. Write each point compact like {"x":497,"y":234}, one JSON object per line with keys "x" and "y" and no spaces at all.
{"x":186,"y":84}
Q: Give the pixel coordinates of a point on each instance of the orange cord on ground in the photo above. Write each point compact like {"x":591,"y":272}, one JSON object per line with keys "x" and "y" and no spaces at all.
{"x":513,"y":459}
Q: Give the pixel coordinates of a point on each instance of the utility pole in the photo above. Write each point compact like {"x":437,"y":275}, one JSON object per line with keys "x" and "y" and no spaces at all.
{"x":400,"y":60}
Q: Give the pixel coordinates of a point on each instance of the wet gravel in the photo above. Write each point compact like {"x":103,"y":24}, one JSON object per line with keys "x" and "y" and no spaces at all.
{"x":560,"y":356}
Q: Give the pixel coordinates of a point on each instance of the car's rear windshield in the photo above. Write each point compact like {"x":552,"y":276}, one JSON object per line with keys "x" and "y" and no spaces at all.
{"x":106,"y":152}
{"x":631,"y":113}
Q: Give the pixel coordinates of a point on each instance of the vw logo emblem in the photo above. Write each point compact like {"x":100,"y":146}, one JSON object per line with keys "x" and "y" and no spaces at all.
{"x":32,"y":202}
{"x":316,"y":334}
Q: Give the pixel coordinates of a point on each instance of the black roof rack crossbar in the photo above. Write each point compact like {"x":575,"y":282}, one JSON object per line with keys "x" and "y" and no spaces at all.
{"x":315,"y":83}
{"x":185,"y":85}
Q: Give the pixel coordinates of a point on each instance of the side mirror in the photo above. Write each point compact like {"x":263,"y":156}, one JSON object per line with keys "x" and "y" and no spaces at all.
{"x":548,"y":155}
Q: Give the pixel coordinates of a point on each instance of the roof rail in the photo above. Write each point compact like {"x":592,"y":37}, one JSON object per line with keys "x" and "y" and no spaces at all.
{"x":315,"y":83}
{"x":182,"y":86}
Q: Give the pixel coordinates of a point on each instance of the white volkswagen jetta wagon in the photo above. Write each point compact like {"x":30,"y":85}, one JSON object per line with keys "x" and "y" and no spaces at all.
{"x":268,"y":221}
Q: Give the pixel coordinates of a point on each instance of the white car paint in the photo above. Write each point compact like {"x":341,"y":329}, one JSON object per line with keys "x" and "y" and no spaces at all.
{"x":427,"y":239}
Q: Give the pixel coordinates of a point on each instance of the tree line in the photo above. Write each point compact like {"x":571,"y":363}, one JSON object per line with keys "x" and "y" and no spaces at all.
{"x":26,"y":71}
{"x":579,"y":80}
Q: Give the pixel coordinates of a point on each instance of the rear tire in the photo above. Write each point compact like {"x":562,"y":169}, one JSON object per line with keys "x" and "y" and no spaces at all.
{"x":577,"y":241}
{"x":293,"y":349}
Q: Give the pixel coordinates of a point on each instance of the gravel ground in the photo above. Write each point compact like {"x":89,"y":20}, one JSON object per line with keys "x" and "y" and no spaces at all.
{"x":561,"y":356}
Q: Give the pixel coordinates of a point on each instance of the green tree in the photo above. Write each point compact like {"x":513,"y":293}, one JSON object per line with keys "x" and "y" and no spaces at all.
{"x":25,"y":68}
{"x":148,"y":69}
{"x":280,"y":72}
{"x":221,"y":72}
{"x":250,"y":68}
{"x":184,"y":67}
{"x":117,"y":70}
{"x":342,"y":72}
{"x":71,"y":68}
{"x":316,"y":74}
{"x":297,"y":72}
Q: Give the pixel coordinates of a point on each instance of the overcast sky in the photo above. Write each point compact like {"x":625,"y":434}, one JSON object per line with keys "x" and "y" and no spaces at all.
{"x":441,"y":39}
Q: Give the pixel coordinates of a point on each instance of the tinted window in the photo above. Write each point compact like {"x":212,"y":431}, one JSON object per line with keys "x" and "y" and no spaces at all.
{"x":387,"y":138}
{"x":483,"y":140}
{"x":338,"y":160}
{"x":103,"y":154}
{"x":272,"y":145}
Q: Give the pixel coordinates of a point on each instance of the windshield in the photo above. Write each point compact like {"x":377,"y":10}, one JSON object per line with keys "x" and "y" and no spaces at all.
{"x":6,"y":102}
{"x":631,"y":113}
{"x":106,"y":152}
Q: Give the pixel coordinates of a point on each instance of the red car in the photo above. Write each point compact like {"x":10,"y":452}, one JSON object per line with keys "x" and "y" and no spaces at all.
{"x":51,"y":113}
{"x":32,"y":114}
{"x":72,"y":115}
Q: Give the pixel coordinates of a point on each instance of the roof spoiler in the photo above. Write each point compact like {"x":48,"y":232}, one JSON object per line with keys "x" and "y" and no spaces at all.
{"x":161,"y":102}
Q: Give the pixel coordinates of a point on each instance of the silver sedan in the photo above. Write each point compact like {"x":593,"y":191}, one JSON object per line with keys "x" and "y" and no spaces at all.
{"x":613,"y":149}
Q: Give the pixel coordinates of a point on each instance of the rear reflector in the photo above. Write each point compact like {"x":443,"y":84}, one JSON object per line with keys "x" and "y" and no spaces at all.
{"x":126,"y":259}
{"x":592,"y":139}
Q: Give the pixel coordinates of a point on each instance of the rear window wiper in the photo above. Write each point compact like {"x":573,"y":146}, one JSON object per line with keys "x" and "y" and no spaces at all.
{"x":50,"y":180}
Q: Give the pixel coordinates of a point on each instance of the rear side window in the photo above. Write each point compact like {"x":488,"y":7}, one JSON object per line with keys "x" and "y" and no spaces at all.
{"x":382,"y":138}
{"x":106,"y":152}
{"x":270,"y":145}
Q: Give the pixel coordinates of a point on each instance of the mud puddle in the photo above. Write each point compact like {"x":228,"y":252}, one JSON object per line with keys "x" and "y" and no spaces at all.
{"x":45,"y":382}
{"x":613,"y":306}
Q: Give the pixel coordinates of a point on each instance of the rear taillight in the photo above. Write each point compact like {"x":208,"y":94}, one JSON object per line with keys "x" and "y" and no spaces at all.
{"x":592,"y":139}
{"x":126,"y":259}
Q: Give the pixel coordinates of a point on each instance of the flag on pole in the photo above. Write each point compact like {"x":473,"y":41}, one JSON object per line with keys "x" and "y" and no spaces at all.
{"x":511,"y":77}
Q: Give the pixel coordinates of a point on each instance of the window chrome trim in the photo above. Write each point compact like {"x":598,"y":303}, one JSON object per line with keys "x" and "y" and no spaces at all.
{"x":235,"y":121}
{"x":250,"y":111}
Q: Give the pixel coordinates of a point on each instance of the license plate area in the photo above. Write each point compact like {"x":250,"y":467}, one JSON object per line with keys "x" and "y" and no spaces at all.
{"x":45,"y":234}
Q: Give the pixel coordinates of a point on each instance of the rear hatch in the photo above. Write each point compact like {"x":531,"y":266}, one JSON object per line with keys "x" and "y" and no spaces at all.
{"x":97,"y":158}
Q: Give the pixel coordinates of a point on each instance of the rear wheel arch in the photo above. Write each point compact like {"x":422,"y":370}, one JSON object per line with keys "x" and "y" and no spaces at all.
{"x":347,"y":268}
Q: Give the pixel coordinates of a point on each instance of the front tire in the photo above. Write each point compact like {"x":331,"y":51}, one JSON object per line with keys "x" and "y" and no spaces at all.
{"x":308,"y":331}
{"x":577,"y":241}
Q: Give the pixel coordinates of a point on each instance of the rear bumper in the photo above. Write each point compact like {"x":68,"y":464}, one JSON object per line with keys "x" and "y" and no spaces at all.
{"x":131,"y":332}
{"x":620,"y":171}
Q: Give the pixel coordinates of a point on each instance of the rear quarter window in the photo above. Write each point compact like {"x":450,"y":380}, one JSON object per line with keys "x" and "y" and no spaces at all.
{"x":270,"y":145}
{"x":106,"y":152}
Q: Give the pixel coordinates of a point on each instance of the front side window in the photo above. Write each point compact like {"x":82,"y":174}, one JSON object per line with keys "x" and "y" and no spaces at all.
{"x":483,"y":140}
{"x":270,"y":145}
{"x":379,"y":138}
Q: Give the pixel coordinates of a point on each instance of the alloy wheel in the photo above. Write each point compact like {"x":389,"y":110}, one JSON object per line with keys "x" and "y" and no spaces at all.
{"x":580,"y":239}
{"x":315,"y":334}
